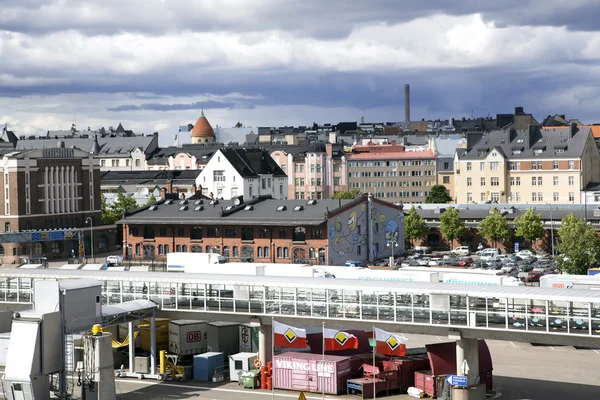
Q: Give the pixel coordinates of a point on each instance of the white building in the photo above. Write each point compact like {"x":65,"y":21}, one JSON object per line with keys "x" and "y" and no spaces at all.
{"x":242,"y":172}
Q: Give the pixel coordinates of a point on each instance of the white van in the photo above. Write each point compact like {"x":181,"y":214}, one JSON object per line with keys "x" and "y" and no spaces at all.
{"x":490,"y":254}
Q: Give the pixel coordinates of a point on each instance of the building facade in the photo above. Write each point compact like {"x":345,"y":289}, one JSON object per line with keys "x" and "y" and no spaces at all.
{"x":267,"y":230}
{"x":531,"y":166}
{"x":51,"y":189}
{"x":391,"y":172}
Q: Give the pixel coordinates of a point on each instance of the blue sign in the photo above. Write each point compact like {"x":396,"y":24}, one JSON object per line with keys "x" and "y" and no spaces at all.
{"x":50,"y":235}
{"x":516,"y":247}
{"x":454,"y":380}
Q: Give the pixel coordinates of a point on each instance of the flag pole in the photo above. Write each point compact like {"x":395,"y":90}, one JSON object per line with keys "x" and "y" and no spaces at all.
{"x":374,"y":346}
{"x":323,"y":366}
{"x":272,"y":356}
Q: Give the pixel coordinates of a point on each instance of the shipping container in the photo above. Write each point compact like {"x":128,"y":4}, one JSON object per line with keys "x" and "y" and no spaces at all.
{"x":207,"y":364}
{"x":476,"y":279}
{"x":239,"y":363}
{"x":222,"y":336}
{"x":248,"y":338}
{"x":308,"y":373}
{"x":432,"y":385}
{"x":162,"y":334}
{"x":570,"y":281}
{"x":4,"y":341}
{"x":187,"y":337}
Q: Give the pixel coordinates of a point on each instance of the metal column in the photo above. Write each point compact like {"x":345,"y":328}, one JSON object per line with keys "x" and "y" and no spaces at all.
{"x":131,"y":347}
{"x":264,"y":343}
{"x":153,"y":343}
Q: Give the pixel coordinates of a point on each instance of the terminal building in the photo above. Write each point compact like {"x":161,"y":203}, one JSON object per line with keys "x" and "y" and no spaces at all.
{"x":264,"y":229}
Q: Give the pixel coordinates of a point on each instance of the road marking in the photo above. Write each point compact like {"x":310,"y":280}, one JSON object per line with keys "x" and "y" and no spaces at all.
{"x":552,"y":348}
{"x":512,"y":344}
{"x":137,"y":382}
{"x":596,"y":351}
{"x":438,"y":338}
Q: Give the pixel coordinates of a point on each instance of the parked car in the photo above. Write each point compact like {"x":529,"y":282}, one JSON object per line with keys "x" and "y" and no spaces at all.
{"x":525,"y":253}
{"x":533,"y":277}
{"x":462,"y":251}
{"x":114,"y":259}
{"x":465,"y":262}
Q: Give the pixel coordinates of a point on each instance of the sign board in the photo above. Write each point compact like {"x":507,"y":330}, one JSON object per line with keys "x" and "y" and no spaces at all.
{"x":454,"y":380}
{"x":302,"y":396}
{"x":516,"y":247}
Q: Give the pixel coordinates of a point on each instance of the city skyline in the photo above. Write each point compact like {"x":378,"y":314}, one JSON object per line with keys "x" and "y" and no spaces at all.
{"x":154,"y":66}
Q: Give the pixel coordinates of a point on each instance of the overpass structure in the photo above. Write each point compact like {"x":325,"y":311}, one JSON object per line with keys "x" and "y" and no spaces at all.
{"x":461,"y":312}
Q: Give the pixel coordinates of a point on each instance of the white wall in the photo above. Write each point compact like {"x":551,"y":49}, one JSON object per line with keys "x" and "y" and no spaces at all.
{"x":233,"y":180}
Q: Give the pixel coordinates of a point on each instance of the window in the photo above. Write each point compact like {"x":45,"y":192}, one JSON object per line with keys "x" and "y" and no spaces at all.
{"x":483,"y":197}
{"x":229,"y":232}
{"x":482,"y":181}
{"x":286,"y":252}
{"x":225,"y":251}
{"x":212,"y":232}
{"x":7,"y":227}
{"x":177,"y":249}
{"x":236,"y":253}
{"x":518,"y":166}
{"x":469,"y":166}
{"x":540,"y":196}
{"x":358,"y":250}
{"x":247,"y":233}
{"x":469,"y":197}
{"x":495,"y":181}
{"x":571,"y":181}
{"x":482,"y":166}
{"x":512,"y":181}
{"x":336,"y":180}
{"x":571,"y":164}
{"x":218,"y":176}
{"x":181,"y":232}
{"x":148,"y":232}
{"x":511,"y":196}
{"x":555,"y":196}
{"x":138,"y":249}
{"x":533,"y":180}
{"x":279,"y":252}
{"x":518,"y":181}
{"x":299,"y":234}
{"x":208,"y":249}
{"x":196,"y":233}
{"x":518,"y":196}
{"x":266,"y":251}
{"x":555,"y":181}
{"x":282,"y":234}
{"x":264,"y":183}
{"x":495,"y":196}
{"x":137,"y":162}
{"x":533,"y":165}
{"x":555,"y":165}
{"x":316,"y":234}
{"x":571,"y":196}
{"x":196,"y":249}
{"x":250,"y":190}
{"x":184,"y":248}
{"x":469,"y":181}
{"x":262,"y":233}
{"x":539,"y":181}
{"x":494,"y":166}
{"x":534,"y":196}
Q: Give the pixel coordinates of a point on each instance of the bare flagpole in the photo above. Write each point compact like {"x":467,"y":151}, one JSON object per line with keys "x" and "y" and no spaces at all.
{"x":272,"y":356}
{"x":374,"y":346}
{"x":322,"y":367}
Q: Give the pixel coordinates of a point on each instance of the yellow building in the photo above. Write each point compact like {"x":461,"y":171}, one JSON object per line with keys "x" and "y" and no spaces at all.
{"x":531,"y":166}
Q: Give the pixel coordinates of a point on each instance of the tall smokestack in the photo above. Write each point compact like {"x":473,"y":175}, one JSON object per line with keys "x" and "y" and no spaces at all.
{"x":407,"y":103}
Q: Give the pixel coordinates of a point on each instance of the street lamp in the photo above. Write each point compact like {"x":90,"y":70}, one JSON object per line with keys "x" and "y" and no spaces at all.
{"x":392,"y":243}
{"x":91,"y":235}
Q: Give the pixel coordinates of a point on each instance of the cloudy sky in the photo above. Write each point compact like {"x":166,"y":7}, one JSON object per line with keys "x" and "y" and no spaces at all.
{"x":153,"y":64}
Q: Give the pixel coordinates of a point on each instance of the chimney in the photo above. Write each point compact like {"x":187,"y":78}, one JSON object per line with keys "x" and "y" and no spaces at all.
{"x":407,"y":103}
{"x":169,"y":186}
{"x":163,"y":193}
{"x":573,"y":128}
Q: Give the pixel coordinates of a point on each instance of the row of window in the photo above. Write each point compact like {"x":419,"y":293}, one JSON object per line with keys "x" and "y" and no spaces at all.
{"x":299,"y":168}
{"x":247,"y":252}
{"x":516,"y":165}
{"x":516,"y":181}
{"x":401,"y":194}
{"x":116,"y":162}
{"x":407,"y":163}
{"x":247,"y":233}
{"x":516,"y":197}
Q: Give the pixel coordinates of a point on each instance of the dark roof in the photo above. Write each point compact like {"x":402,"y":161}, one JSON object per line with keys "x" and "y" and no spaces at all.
{"x":146,"y":177}
{"x":264,"y":211}
{"x":532,"y":143}
{"x":250,"y":163}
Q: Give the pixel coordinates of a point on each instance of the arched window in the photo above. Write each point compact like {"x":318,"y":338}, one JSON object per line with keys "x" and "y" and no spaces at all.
{"x":236,"y":253}
{"x":1,"y":251}
{"x":299,"y":234}
{"x":208,"y":249}
{"x":178,"y":248}
{"x":259,"y":252}
{"x":184,"y":248}
{"x":138,"y":249}
{"x":166,"y":249}
{"x":160,"y":249}
{"x":196,"y":249}
{"x":266,"y":251}
{"x":149,"y":252}
{"x":225,"y":251}
{"x":247,"y":254}
{"x":311,"y":253}
{"x":279,"y":252}
{"x":217,"y":250}
{"x":286,"y":252}
{"x":196,"y":233}
{"x":322,"y":255}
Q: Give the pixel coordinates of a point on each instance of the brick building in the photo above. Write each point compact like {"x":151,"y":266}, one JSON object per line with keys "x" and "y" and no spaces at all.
{"x":263,"y":229}
{"x":50,"y":189}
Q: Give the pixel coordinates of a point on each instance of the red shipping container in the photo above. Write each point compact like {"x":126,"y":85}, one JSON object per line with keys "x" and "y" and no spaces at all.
{"x":308,"y":372}
{"x":432,"y":385}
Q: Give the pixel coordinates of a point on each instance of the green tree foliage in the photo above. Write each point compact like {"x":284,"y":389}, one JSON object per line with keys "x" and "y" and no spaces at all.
{"x":414,"y":225}
{"x":495,"y":227}
{"x":112,"y":214}
{"x":578,"y":245}
{"x":530,"y":226}
{"x":150,"y":201}
{"x":438,"y":194}
{"x":349,"y":195}
{"x":451,"y":226}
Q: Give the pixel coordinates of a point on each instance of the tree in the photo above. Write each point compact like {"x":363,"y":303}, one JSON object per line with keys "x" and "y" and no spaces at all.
{"x":151,"y":200}
{"x":530,"y":226}
{"x":495,"y":227}
{"x":112,"y":214}
{"x":239,"y":124}
{"x":414,"y":225}
{"x":578,"y":245}
{"x":451,"y":225}
{"x":438,"y":195}
{"x":349,"y":195}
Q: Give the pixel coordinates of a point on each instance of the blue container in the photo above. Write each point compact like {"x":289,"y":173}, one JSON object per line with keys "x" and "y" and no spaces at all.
{"x":205,"y":365}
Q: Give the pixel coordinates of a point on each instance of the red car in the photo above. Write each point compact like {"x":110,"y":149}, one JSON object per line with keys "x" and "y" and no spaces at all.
{"x":534,"y":276}
{"x":465,"y":262}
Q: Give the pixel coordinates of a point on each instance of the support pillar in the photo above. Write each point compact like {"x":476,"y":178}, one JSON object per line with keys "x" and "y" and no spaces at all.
{"x":467,"y":360}
{"x":153,"y":344}
{"x":265,"y":343}
{"x":131,"y":347}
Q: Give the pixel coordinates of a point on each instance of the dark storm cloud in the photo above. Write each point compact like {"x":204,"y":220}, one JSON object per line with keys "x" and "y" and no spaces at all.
{"x":179,"y":107}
